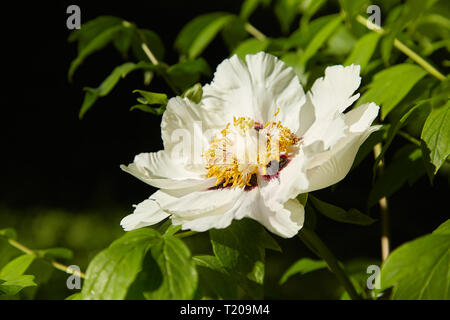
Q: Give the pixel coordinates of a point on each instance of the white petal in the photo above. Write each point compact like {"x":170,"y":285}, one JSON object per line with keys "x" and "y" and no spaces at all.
{"x":285,"y":221}
{"x":330,"y":96}
{"x":201,"y":211}
{"x":333,"y":92}
{"x":339,"y":162}
{"x":359,"y":119}
{"x":256,"y":90}
{"x":290,"y":182}
{"x":147,"y":213}
{"x":187,"y":128}
{"x":161,"y":171}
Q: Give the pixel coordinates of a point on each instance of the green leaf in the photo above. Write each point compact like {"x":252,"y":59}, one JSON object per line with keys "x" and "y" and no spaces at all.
{"x":152,"y":97}
{"x":17,"y":267}
{"x":112,"y":271}
{"x":145,"y":108}
{"x":391,"y":85}
{"x":338,"y":214}
{"x":97,"y":43}
{"x":92,"y":94}
{"x":215,"y":277}
{"x":353,"y":7}
{"x":185,"y":74}
{"x":175,"y":275}
{"x":15,"y":285}
{"x":151,"y":39}
{"x":8,"y":233}
{"x":194,"y":93}
{"x":393,"y":131}
{"x":302,"y":266}
{"x":198,"y":33}
{"x":250,"y":46}
{"x":419,"y":269}
{"x":319,"y":39}
{"x":436,"y":137}
{"x":91,"y":29}
{"x":240,"y":248}
{"x":363,"y":50}
{"x":406,"y":166}
{"x":75,"y":296}
{"x":249,"y":6}
{"x":122,"y":39}
{"x":286,"y":11}
{"x":55,"y":253}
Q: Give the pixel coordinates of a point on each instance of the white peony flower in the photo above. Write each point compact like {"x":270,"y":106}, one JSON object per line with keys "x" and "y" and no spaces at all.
{"x":251,"y":146}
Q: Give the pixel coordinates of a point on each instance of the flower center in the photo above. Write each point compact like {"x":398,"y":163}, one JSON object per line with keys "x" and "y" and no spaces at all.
{"x":246,"y":149}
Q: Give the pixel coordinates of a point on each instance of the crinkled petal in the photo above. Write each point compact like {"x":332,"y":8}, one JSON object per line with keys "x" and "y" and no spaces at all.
{"x":339,"y":162}
{"x":161,"y":171}
{"x":256,"y":89}
{"x":285,"y":220}
{"x":330,"y":96}
{"x":147,"y":213}
{"x":187,"y":129}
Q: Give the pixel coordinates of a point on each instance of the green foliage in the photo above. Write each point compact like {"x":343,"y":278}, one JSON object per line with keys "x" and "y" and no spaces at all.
{"x":391,"y":85}
{"x":240,"y":248}
{"x":353,"y":216}
{"x":436,"y":136}
{"x":303,"y":266}
{"x":419,"y":269}
{"x":197,"y":34}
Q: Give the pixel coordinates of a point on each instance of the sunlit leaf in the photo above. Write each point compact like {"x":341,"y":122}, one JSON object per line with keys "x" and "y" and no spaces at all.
{"x":436,"y":136}
{"x":391,"y":85}
{"x":419,"y":269}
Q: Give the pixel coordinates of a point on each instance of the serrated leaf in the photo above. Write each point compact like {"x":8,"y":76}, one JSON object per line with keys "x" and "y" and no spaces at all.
{"x":436,"y":137}
{"x":112,"y":271}
{"x":302,"y":266}
{"x":198,"y":33}
{"x":250,"y":46}
{"x":419,"y":269}
{"x":391,"y":85}
{"x":363,"y":50}
{"x":338,"y":214}
{"x":177,"y":276}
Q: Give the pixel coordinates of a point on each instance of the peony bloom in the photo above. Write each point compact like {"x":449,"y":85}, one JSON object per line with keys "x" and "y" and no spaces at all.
{"x":251,"y":146}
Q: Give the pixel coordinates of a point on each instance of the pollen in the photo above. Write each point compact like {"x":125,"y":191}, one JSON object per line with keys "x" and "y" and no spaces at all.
{"x":246,"y":149}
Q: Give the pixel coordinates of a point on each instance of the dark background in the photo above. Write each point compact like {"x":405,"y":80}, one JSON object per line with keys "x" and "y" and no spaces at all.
{"x":51,"y":159}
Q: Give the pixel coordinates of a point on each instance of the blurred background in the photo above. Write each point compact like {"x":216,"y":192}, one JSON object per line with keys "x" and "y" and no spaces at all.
{"x":61,"y":185}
